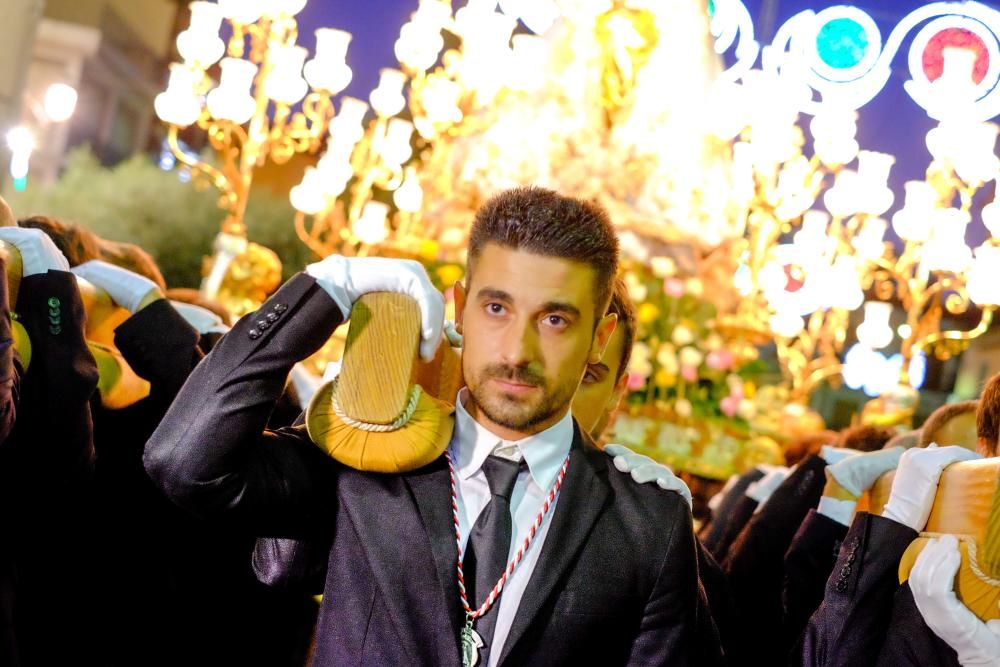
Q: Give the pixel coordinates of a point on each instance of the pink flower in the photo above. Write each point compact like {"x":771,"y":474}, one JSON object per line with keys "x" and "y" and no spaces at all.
{"x":689,"y":372}
{"x":730,"y":405}
{"x":720,"y":360}
{"x":673,"y":287}
{"x":636,"y":381}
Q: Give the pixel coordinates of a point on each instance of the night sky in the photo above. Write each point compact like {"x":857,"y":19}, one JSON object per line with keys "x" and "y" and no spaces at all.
{"x":890,"y":123}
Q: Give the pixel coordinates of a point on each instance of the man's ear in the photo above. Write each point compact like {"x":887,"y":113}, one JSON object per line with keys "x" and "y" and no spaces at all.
{"x":618,"y":393}
{"x":459,"y":292}
{"x":602,"y":335}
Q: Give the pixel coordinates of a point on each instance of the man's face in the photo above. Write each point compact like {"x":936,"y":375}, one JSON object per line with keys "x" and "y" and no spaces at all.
{"x":599,"y":394}
{"x":528,"y":327}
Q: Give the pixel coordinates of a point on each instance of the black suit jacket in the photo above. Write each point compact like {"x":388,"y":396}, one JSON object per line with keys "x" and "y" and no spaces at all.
{"x":616,"y":580}
{"x":850,"y":625}
{"x":808,"y":564}
{"x":756,"y":561}
{"x":909,"y":641}
{"x":168,"y":579}
{"x":46,"y":468}
{"x":733,"y":513}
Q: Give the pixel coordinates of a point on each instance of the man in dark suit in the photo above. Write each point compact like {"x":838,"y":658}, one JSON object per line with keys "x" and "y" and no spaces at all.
{"x":540,"y":271}
{"x":46,"y":466}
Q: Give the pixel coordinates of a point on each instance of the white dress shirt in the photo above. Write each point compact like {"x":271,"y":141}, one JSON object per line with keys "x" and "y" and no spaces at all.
{"x":544,"y":453}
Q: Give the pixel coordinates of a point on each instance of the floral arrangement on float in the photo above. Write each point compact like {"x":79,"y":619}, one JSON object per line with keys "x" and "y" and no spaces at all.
{"x":690,"y":390}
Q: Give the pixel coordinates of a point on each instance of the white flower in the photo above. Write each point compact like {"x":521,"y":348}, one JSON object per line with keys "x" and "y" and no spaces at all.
{"x":681,"y":335}
{"x":682,"y":407}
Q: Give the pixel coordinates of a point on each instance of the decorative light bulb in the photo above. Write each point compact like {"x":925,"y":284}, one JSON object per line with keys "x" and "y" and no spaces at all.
{"x":991,"y":218}
{"x":913,"y":221}
{"x":787,"y":324}
{"x":284,"y":83}
{"x":409,"y":197}
{"x":984,"y":277}
{"x":308,"y":196}
{"x":328,"y":70}
{"x":60,"y":102}
{"x":242,"y":11}
{"x":873,"y":177}
{"x":945,"y":250}
{"x":387,"y":99}
{"x":179,"y":104}
{"x":349,"y":123}
{"x":200,"y":45}
{"x":395,"y":149}
{"x":280,"y":8}
{"x":875,"y":331}
{"x":370,"y":227}
{"x":955,"y":90}
{"x":232,"y":99}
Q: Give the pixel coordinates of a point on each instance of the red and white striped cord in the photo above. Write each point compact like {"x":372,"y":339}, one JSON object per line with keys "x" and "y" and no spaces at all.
{"x":498,"y":588}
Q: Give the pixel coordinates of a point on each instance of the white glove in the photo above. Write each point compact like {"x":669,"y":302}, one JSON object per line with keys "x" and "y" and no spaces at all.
{"x":38,"y":252}
{"x":857,"y":474}
{"x":916,"y":481}
{"x":125,"y":288}
{"x":932,"y":581}
{"x":841,"y":511}
{"x":451,"y":333}
{"x":762,"y":489}
{"x":201,"y":319}
{"x":644,"y":469}
{"x":346,"y":279}
{"x":834,"y":455}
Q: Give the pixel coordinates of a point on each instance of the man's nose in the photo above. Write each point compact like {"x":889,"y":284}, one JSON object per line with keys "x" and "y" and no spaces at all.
{"x":519,"y":344}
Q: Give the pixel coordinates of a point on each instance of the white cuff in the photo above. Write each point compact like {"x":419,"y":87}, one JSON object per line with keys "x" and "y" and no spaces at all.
{"x":841,"y":511}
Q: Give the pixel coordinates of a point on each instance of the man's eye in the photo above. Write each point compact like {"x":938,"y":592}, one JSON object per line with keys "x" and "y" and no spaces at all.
{"x":495,"y":309}
{"x":590,"y":377}
{"x":555,"y":321}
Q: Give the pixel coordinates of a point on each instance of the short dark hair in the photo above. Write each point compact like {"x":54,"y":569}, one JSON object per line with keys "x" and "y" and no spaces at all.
{"x":941,"y":416}
{"x":546,"y":223}
{"x":78,"y":244}
{"x":988,"y":415}
{"x":807,"y":445}
{"x":621,"y":305}
{"x":864,"y":438}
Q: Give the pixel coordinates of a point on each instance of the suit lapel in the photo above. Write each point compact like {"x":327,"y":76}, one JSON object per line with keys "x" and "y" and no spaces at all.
{"x":432,"y":491}
{"x":405,"y":543}
{"x":581,"y":501}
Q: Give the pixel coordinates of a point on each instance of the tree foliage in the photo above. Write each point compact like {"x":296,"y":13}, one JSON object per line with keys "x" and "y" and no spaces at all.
{"x":137,"y":202}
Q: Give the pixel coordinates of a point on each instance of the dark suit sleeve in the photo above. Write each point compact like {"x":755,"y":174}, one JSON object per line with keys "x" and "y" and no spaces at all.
{"x":212,"y":454}
{"x":61,"y":378}
{"x":808,"y":564}
{"x":161,"y":347}
{"x":290,"y":563}
{"x":850,"y":625}
{"x":909,"y":640}
{"x":733,"y":513}
{"x":756,"y":560}
{"x":668,"y":631}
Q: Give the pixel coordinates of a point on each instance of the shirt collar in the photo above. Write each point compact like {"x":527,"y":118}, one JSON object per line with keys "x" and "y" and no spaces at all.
{"x":544,"y":452}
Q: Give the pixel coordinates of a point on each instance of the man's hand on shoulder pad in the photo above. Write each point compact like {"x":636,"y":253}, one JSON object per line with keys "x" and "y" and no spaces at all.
{"x":644,"y":469}
{"x":345,"y":279}
{"x":916,"y":482}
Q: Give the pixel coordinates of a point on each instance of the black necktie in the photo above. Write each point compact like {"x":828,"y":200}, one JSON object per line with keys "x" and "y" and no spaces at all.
{"x":489,"y":542}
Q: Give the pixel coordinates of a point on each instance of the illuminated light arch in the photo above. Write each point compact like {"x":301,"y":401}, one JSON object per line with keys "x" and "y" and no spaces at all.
{"x":839,"y":52}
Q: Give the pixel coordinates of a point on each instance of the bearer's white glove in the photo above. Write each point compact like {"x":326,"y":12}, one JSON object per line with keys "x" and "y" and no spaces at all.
{"x":916,"y":481}
{"x":834,"y":455}
{"x":857,"y":474}
{"x":644,"y":469}
{"x":762,"y":489}
{"x":932,"y":581}
{"x":38,"y":253}
{"x":345,"y":279}
{"x":125,"y":288}
{"x":201,"y":319}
